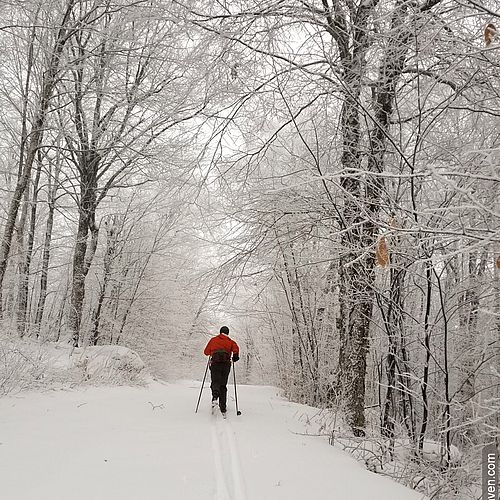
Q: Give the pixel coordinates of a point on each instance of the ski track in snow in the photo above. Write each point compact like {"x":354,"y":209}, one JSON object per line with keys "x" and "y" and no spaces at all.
{"x":236,"y":469}
{"x":148,"y":443}
{"x":221,"y":490}
{"x":229,"y":479}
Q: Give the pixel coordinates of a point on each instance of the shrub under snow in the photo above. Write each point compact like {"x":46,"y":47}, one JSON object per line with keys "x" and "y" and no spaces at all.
{"x":28,"y":364}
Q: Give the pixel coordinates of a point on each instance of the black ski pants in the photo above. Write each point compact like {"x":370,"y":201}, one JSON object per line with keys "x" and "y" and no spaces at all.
{"x":220,"y":373}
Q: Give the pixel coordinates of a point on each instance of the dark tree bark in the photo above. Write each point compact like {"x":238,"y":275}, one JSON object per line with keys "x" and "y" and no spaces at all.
{"x":53,"y":184}
{"x":83,"y":253}
{"x":398,"y":404}
{"x":111,"y":230}
{"x":428,"y":354}
{"x":362,"y":203}
{"x":469,"y":304}
{"x":22,"y":297}
{"x":446,"y":438}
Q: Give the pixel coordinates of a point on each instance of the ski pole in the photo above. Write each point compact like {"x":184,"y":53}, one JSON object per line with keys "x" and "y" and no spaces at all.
{"x":202,"y":384}
{"x":238,"y":412}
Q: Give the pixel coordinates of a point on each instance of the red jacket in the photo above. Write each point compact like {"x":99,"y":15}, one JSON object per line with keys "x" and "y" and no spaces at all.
{"x":221,"y":343}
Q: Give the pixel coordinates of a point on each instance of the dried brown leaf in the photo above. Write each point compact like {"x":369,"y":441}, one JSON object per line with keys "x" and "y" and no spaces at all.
{"x":382,"y":252}
{"x":489,"y":33}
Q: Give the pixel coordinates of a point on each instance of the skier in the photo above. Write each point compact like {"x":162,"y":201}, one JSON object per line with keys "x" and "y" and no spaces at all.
{"x":220,"y":349}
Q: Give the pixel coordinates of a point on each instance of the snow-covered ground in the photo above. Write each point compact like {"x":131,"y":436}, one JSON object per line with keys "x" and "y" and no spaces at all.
{"x":147,"y":443}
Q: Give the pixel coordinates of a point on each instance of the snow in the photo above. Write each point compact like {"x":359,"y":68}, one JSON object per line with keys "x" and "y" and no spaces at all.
{"x":28,"y":364}
{"x":111,"y":359}
{"x":375,"y":452}
{"x":106,"y":443}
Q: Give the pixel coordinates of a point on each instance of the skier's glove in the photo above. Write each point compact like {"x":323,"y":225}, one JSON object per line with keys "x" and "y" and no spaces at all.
{"x":235,"y":357}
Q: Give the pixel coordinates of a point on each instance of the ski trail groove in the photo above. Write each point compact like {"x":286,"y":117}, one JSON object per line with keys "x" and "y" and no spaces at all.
{"x":230,"y":484}
{"x":221,"y":490}
{"x":239,"y":489}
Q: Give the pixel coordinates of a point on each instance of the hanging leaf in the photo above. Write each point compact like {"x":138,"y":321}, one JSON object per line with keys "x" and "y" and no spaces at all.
{"x":489,"y":33}
{"x":498,"y":262}
{"x":382,"y":253}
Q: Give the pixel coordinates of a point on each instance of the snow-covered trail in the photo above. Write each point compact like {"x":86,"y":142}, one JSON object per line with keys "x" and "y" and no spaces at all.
{"x":147,"y":443}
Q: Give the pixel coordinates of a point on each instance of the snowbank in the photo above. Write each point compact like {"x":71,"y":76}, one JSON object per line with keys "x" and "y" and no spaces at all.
{"x":110,"y":362}
{"x":376,"y":453}
{"x":424,"y":474}
{"x":28,"y":364}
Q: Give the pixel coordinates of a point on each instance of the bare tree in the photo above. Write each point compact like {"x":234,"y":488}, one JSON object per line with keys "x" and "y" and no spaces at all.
{"x":125,"y":96}
{"x":65,"y":28}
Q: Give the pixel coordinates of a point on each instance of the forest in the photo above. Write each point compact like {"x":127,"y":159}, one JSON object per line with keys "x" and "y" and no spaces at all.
{"x":321,"y":175}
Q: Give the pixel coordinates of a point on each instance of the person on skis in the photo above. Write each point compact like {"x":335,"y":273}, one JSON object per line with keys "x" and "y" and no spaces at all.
{"x":220,"y":349}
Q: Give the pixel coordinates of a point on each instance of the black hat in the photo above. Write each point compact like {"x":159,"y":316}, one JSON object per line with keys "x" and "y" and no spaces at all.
{"x":224,"y":330}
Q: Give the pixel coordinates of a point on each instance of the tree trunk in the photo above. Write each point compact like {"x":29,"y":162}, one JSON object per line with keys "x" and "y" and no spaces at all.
{"x":22,"y":298}
{"x":83,"y":255}
{"x":362,"y":205}
{"x":355,"y":314}
{"x":108,"y":259}
{"x":20,"y":250}
{"x":356,"y":264}
{"x":52,"y":187}
{"x":446,"y":415}
{"x":468,"y":320}
{"x":428,"y":354}
{"x":397,"y":369}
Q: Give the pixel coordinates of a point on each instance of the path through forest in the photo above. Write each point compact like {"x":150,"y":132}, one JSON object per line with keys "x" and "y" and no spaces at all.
{"x":106,"y":443}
